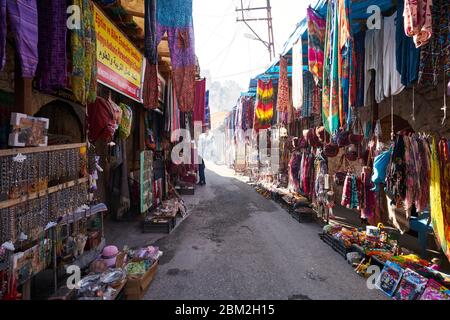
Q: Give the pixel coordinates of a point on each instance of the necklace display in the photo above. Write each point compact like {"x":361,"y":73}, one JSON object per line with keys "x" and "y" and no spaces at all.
{"x":35,"y":173}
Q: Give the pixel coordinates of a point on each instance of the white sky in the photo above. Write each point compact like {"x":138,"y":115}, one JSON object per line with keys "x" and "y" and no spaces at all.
{"x":221,"y":45}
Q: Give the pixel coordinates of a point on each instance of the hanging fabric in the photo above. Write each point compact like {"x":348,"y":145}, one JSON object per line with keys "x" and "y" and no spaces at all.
{"x":297,"y":75}
{"x":150,"y":91}
{"x":200,"y":101}
{"x":437,"y":213}
{"x":345,"y":55}
{"x":23,"y":19}
{"x":417,"y":20}
{"x":151,"y":47}
{"x":84,"y":55}
{"x":174,"y":18}
{"x":316,"y":41}
{"x":374,"y":63}
{"x":392,"y":84}
{"x":360,"y":50}
{"x":435,"y":54}
{"x":407,"y":55}
{"x":283,"y":87}
{"x":207,"y":112}
{"x":308,"y":92}
{"x":264,"y":105}
{"x":330,"y":94}
{"x":51,"y":73}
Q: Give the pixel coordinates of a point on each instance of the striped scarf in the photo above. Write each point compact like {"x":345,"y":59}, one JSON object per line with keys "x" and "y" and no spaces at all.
{"x":264,"y":105}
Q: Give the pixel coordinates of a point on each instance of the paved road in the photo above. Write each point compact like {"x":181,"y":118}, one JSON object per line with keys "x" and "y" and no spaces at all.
{"x":238,"y":245}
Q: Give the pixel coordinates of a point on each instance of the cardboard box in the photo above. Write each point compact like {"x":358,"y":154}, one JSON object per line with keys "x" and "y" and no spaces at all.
{"x":137,"y":287}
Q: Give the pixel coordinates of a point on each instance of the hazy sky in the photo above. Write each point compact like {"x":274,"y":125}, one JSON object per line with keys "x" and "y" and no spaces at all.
{"x":221,"y":44}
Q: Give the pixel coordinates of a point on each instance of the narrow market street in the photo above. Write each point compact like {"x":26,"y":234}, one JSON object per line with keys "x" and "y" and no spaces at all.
{"x":238,"y":245}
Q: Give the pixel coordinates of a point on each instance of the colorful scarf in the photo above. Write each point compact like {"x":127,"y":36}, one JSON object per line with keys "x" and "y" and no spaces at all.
{"x":435,"y":54}
{"x":437,"y":214}
{"x":264,"y":105}
{"x":444,"y":158}
{"x":84,"y":55}
{"x":316,"y":41}
{"x":283,"y":87}
{"x":174,"y":17}
{"x":330,"y":95}
{"x":418,"y":21}
{"x":297,"y":75}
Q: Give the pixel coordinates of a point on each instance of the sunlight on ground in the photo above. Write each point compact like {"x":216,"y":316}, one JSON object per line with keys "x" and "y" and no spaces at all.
{"x":224,"y":171}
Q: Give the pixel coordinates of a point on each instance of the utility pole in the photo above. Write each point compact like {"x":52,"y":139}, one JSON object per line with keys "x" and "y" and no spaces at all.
{"x":270,"y":45}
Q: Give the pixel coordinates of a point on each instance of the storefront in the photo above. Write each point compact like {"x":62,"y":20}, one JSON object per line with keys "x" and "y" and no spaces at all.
{"x":358,"y":120}
{"x":86,"y":137}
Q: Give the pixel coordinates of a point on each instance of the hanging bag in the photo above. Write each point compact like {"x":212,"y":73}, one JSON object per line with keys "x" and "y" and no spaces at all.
{"x":357,"y":135}
{"x":331,"y":149}
{"x":341,"y":173}
{"x":342,"y":138}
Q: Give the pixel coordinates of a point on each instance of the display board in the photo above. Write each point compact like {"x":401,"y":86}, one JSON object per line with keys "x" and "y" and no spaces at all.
{"x":146,"y":180}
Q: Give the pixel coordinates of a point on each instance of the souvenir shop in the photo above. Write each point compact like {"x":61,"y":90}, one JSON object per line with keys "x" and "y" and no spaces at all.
{"x":85,"y":136}
{"x":358,"y":115}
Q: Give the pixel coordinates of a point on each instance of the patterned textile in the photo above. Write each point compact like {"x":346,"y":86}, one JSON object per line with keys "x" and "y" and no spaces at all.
{"x":84,"y":55}
{"x":345,"y":52}
{"x":207,"y":112}
{"x":433,"y":55}
{"x":283,"y":87}
{"x":316,"y":41}
{"x":308,"y":94}
{"x":330,"y":94}
{"x":174,"y":17}
{"x":294,"y":168}
{"x":418,"y":21}
{"x":150,"y":90}
{"x":297,"y":75}
{"x":249,"y":107}
{"x":51,"y":73}
{"x":264,"y":105}
{"x":316,"y":100}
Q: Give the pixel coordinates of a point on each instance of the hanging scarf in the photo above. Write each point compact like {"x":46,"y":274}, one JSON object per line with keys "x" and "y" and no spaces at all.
{"x":297,"y":75}
{"x":264,"y":105}
{"x":435,"y":54}
{"x":283,"y":87}
{"x":174,"y":17}
{"x":437,"y":214}
{"x":330,"y":98}
{"x":345,"y":52}
{"x":84,"y":55}
{"x":308,"y":95}
{"x":444,"y":158}
{"x":200,"y":101}
{"x":316,"y":41}
{"x":417,"y":19}
{"x":52,"y":68}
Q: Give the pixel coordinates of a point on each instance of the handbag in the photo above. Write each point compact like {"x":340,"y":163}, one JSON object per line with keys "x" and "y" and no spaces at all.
{"x":351,"y":154}
{"x":342,"y":138}
{"x":331,"y":149}
{"x":356,"y":136}
{"x":340,"y":175}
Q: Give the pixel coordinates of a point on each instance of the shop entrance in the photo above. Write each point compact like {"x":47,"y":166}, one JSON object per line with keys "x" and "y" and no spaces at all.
{"x":66,"y":122}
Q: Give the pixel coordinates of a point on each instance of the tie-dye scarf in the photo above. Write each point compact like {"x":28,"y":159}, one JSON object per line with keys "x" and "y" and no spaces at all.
{"x":174,"y":17}
{"x":316,"y":41}
{"x":264,"y":105}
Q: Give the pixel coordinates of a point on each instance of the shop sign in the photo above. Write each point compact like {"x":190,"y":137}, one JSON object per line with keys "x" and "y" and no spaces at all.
{"x":120,"y":64}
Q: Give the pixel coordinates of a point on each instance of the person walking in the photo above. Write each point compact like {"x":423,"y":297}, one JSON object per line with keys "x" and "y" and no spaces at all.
{"x":201,"y":169}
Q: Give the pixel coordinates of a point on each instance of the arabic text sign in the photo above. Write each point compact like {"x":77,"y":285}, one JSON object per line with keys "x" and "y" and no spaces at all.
{"x":119,"y":63}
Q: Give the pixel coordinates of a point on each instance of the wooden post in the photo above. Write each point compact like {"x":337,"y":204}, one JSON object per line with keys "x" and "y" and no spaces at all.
{"x":23,"y":91}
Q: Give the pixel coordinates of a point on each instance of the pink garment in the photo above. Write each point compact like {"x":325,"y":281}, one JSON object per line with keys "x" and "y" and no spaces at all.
{"x":418,"y":20}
